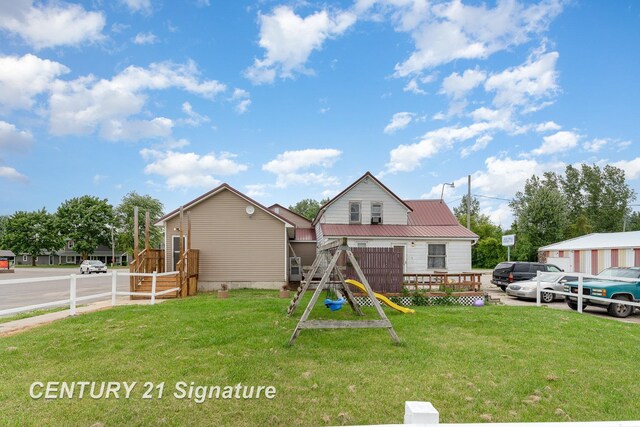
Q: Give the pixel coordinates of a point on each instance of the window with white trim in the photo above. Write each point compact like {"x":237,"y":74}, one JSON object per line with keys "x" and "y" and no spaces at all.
{"x":25,"y":258}
{"x":437,"y":256}
{"x":362,"y":244}
{"x":355,"y":213}
{"x":376,"y":212}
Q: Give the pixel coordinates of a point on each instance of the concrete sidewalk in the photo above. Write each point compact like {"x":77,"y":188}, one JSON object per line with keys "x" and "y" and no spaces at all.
{"x":20,"y":325}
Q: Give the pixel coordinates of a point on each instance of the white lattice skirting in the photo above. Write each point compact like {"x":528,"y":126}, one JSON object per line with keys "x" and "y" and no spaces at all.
{"x":436,"y":300}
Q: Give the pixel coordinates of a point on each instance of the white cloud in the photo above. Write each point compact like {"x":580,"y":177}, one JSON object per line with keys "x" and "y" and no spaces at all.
{"x":97,"y":179}
{"x":457,"y":86}
{"x":12,"y":174}
{"x":50,"y":25}
{"x":547,"y":126}
{"x":595,"y":145}
{"x":557,"y":143}
{"x":242,"y":99}
{"x":399,"y":121}
{"x":194,"y":119}
{"x":289,"y":39}
{"x":414,"y":84}
{"x":145,"y":38}
{"x":480,"y":144}
{"x":138,"y":5}
{"x":444,"y":32}
{"x":256,"y":190}
{"x":186,"y":170}
{"x":12,"y":138}
{"x":86,"y":104}
{"x":525,"y":84}
{"x":22,"y":78}
{"x":631,"y":167}
{"x":289,"y":165}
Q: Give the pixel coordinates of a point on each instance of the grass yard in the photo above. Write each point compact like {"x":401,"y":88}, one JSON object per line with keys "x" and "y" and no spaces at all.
{"x":474,"y":364}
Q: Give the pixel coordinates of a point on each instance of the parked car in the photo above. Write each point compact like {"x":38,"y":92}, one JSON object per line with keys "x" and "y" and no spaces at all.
{"x":92,"y":266}
{"x":527,"y":289}
{"x":612,"y":289}
{"x":506,"y":273}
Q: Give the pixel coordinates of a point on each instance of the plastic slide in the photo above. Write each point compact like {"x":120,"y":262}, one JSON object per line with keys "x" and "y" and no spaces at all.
{"x":382,"y":298}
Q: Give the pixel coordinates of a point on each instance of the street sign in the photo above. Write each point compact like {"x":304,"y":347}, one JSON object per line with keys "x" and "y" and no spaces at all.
{"x":509,"y":240}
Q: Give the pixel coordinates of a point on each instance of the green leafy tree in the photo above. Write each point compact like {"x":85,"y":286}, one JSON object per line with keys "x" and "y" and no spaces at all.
{"x":633,"y":222}
{"x":308,"y":208}
{"x":34,"y":233}
{"x":124,"y":220}
{"x":484,"y":252}
{"x":542,"y":216}
{"x":3,"y":226}
{"x":87,"y":221}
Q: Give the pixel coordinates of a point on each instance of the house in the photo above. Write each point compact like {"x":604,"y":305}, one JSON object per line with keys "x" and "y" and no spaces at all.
{"x":7,"y":259}
{"x":241,"y":243}
{"x":67,"y":255}
{"x":303,"y":244}
{"x":425,"y":231}
{"x":594,"y":252}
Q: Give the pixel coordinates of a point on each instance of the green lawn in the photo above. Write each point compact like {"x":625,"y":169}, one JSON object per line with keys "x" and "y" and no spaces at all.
{"x":474,"y":364}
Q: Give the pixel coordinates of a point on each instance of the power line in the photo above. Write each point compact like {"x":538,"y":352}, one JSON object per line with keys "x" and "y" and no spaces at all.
{"x":490,"y":197}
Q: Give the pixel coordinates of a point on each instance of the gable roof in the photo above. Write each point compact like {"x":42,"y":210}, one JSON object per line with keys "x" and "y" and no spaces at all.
{"x":293,"y":217}
{"x":430,"y":212}
{"x":408,"y":231}
{"x":628,"y":239}
{"x":6,"y":253}
{"x":356,"y":182}
{"x":215,"y":191}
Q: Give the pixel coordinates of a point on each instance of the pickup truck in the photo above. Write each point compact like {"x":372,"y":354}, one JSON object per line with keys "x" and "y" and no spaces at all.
{"x":608,"y":288}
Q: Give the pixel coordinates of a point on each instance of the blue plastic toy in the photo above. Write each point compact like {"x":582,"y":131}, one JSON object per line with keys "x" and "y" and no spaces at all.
{"x":334,"y":305}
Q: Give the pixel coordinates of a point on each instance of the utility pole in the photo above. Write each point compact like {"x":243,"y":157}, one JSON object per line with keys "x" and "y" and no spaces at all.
{"x":468,"y":202}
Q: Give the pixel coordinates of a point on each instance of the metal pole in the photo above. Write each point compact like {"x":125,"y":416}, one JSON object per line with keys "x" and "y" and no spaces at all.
{"x":508,"y":253}
{"x":72,"y":295}
{"x":114,"y":287}
{"x":468,"y":202}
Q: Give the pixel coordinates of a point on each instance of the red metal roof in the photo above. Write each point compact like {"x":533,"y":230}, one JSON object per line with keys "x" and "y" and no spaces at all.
{"x":430,"y":212}
{"x":305,"y":235}
{"x":384,"y":230}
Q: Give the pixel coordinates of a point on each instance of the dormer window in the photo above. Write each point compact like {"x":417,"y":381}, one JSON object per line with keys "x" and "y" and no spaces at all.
{"x":376,"y":212}
{"x":355,"y":213}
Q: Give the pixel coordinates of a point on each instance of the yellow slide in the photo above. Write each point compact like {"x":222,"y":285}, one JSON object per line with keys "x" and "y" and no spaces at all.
{"x":382,"y":298}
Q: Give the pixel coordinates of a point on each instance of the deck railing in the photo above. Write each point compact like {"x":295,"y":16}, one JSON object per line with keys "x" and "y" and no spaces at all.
{"x":442,"y":281}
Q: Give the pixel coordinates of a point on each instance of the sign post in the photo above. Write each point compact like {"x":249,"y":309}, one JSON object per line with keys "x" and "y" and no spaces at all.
{"x":508,"y":241}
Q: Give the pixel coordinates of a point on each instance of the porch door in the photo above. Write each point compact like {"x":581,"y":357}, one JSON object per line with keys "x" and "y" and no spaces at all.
{"x":402,"y":249}
{"x":176,"y":249}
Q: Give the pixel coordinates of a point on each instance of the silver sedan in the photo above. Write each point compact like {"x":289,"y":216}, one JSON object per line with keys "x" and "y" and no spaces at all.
{"x":527,"y":289}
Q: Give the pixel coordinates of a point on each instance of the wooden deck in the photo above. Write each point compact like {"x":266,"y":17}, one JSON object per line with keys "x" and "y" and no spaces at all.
{"x":150,"y":260}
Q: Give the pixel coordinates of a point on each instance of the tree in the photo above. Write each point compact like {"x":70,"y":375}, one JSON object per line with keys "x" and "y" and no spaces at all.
{"x":308,"y":208}
{"x":633,"y":222}
{"x":124,"y":220}
{"x":86,"y":221}
{"x":32,"y":233}
{"x":3,"y":226}
{"x":541,"y":214}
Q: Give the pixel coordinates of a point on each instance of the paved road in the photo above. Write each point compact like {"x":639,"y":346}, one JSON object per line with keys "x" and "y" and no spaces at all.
{"x":23,"y":294}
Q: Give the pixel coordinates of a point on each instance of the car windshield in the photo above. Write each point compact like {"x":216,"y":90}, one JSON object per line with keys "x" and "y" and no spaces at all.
{"x":546,"y":277}
{"x":629,"y":273}
{"x":95,"y":262}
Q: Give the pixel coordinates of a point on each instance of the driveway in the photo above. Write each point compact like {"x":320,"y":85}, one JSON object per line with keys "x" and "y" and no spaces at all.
{"x":24,"y":294}
{"x":496,"y":293}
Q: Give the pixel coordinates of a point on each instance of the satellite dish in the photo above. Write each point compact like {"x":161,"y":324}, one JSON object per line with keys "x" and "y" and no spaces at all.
{"x":250,"y":210}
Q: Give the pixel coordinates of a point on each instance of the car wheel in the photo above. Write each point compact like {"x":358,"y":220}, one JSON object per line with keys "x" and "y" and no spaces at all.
{"x":574,"y":305}
{"x":81,"y":271}
{"x":620,"y":310}
{"x":546,"y":297}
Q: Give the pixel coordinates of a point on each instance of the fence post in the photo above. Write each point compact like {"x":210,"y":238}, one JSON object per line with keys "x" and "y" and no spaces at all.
{"x":72,"y":295}
{"x":114,"y":287}
{"x":153,"y":287}
{"x":580,"y":293}
{"x":538,"y":303}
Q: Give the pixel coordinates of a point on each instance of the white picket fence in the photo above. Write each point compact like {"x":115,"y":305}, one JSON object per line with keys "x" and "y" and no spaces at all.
{"x":74,"y":299}
{"x":580,"y":297}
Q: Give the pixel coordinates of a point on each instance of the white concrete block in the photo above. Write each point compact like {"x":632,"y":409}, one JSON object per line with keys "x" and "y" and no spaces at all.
{"x":420,"y":413}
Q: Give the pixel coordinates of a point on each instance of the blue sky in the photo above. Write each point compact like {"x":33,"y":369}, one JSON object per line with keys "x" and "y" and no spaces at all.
{"x":292,"y":100}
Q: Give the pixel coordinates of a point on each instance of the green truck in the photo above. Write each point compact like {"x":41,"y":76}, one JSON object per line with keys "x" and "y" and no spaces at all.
{"x":608,"y":288}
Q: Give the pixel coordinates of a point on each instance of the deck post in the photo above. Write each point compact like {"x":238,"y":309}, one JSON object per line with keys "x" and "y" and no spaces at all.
{"x":154,"y":281}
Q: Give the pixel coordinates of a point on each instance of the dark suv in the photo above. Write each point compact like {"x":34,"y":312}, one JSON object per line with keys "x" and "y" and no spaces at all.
{"x":509,"y":272}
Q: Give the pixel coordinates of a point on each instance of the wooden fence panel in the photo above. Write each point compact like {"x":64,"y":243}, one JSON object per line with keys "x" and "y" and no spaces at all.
{"x":382,"y":267}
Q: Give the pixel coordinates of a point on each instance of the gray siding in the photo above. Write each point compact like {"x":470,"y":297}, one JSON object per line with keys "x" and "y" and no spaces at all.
{"x":234,"y":247}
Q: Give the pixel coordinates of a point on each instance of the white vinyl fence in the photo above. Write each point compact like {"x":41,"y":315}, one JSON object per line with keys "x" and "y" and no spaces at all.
{"x":74,"y":298}
{"x":580,"y":290}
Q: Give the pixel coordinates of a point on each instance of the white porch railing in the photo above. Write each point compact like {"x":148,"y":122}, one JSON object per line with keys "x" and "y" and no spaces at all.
{"x":579,"y":296}
{"x":74,"y":298}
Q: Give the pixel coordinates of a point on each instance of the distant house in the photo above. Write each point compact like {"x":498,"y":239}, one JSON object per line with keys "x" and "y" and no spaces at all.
{"x":241,"y":242}
{"x":425,"y":231}
{"x":303,"y":243}
{"x":67,"y":255}
{"x":594,"y":252}
{"x":7,"y":259}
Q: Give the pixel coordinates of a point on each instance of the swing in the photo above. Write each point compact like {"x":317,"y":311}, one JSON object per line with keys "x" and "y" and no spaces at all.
{"x":333,"y":304}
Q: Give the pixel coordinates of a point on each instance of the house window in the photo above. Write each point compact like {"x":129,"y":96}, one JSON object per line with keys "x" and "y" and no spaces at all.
{"x":376,"y":212}
{"x":362,"y":244}
{"x":437,"y":256}
{"x":354,"y":213}
{"x":70,"y":259}
{"x":24,"y":258}
{"x":70,"y":244}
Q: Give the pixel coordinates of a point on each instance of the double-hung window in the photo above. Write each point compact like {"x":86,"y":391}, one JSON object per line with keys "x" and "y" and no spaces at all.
{"x":437,"y":256}
{"x":376,"y":212}
{"x":355,"y":213}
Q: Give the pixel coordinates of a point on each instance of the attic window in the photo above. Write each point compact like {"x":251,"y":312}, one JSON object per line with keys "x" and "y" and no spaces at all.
{"x":376,"y":212}
{"x":354,"y":213}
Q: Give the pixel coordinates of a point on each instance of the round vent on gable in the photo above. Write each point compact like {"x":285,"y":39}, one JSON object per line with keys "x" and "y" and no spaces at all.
{"x":250,"y":210}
